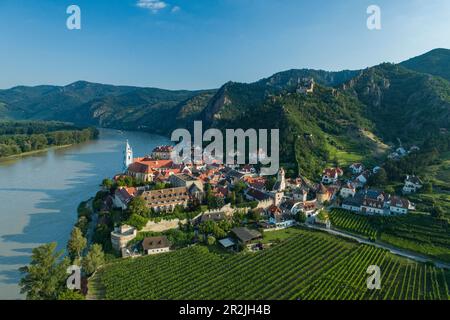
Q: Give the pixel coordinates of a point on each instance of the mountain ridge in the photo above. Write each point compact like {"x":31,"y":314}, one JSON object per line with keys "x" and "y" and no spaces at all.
{"x":407,"y":101}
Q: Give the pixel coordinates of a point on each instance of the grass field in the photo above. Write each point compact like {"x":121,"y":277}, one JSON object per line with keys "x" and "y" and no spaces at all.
{"x":440,"y":174}
{"x":308,"y":265}
{"x":415,"y":232}
{"x":363,"y":147}
{"x":425,"y":201}
{"x":280,"y":235}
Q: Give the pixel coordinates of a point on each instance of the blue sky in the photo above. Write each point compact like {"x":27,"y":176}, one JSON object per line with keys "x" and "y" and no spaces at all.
{"x":196,"y":44}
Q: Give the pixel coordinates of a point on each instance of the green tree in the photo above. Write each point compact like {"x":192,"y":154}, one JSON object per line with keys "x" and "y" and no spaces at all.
{"x":211,"y":227}
{"x":215,"y":202}
{"x":378,"y":179}
{"x":254,"y":214}
{"x":390,"y":189}
{"x":76,"y":243}
{"x":211,"y":240}
{"x":437,"y":212}
{"x":137,"y":221}
{"x":82,"y":223}
{"x":138,"y":206}
{"x":107,"y":183}
{"x":300,"y":217}
{"x":427,"y":187}
{"x":270,"y":182}
{"x":231,"y":197}
{"x":70,"y":295}
{"x":45,"y":276}
{"x":239,"y":187}
{"x":159,"y":186}
{"x":323,"y":216}
{"x":94,"y":259}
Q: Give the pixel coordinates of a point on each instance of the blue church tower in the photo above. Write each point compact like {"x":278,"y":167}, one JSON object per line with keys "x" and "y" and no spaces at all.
{"x":128,"y":157}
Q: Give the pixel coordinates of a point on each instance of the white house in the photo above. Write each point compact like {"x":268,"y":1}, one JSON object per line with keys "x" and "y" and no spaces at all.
{"x":398,"y":205}
{"x":374,"y":202}
{"x":123,"y":196}
{"x":348,"y":190}
{"x":350,"y":207}
{"x":362,"y":179}
{"x":357,"y":168}
{"x":309,"y":208}
{"x":353,"y":203}
{"x":376,"y":169}
{"x":373,"y":206}
{"x":155,"y":245}
{"x":331,"y":175}
{"x":412,"y":184}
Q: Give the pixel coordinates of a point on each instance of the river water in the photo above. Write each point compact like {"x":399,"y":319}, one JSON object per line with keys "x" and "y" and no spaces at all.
{"x":39,"y":195}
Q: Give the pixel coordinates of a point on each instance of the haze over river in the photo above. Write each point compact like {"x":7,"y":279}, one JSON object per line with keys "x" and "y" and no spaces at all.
{"x":39,"y":195}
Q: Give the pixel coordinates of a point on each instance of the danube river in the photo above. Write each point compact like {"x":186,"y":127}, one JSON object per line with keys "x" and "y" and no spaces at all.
{"x":39,"y":195}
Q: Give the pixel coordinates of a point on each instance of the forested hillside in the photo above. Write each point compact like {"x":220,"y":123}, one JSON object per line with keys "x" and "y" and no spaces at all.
{"x":435,"y":62}
{"x":26,"y":136}
{"x":349,"y":113}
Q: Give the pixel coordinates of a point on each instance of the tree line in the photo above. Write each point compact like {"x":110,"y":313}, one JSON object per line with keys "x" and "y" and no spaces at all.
{"x":20,"y":137}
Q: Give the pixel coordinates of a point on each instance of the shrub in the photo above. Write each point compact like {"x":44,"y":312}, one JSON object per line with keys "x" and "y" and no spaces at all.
{"x":137,"y":221}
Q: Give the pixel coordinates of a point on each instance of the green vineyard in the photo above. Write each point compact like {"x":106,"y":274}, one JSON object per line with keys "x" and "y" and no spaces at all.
{"x":308,"y":266}
{"x":415,"y":232}
{"x":351,"y":222}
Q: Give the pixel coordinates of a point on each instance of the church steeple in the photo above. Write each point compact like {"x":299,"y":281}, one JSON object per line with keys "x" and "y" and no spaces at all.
{"x":280,"y":185}
{"x":128,"y":157}
{"x":281,"y":179}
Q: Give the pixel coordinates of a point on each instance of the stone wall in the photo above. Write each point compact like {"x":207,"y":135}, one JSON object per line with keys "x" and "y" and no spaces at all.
{"x":163,"y":225}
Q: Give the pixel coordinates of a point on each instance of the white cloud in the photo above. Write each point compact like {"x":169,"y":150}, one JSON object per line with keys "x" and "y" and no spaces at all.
{"x":153,"y":5}
{"x":176,"y":9}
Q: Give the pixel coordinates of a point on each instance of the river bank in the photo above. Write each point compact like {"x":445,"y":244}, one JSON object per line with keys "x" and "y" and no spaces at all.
{"x":40,"y":194}
{"x":34,"y":152}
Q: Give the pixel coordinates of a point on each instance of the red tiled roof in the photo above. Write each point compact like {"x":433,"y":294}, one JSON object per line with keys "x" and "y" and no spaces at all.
{"x":399,"y":202}
{"x":126,"y":194}
{"x":140,"y":167}
{"x":349,"y":185}
{"x":309,"y":205}
{"x":373,"y":203}
{"x":333,"y":172}
{"x":220,"y":191}
{"x":257,"y":183}
{"x":148,"y":165}
{"x":274,"y":209}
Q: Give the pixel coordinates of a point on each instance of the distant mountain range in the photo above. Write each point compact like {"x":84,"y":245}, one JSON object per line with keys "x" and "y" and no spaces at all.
{"x":349,"y":110}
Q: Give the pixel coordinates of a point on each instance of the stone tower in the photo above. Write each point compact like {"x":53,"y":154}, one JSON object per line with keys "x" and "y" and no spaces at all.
{"x":128,"y":157}
{"x":281,"y":181}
